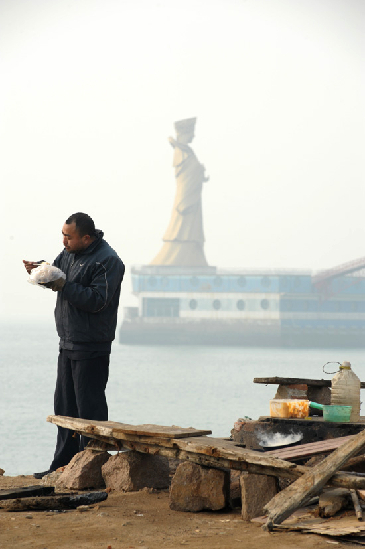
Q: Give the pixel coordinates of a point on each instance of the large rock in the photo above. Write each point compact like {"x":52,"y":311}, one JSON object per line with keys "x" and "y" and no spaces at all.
{"x":194,"y":488}
{"x":256,"y":491}
{"x":83,"y":471}
{"x":129,"y":471}
{"x":235,"y":488}
{"x":51,"y":479}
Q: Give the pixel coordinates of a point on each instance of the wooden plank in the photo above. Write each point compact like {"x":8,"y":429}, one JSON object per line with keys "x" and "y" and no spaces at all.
{"x":221,"y":448}
{"x":118,"y":443}
{"x":61,"y":501}
{"x":26,"y":491}
{"x":309,"y":449}
{"x":304,"y":521}
{"x":293,"y":381}
{"x":312,"y":482}
{"x":296,"y":381}
{"x":119,"y":430}
{"x":311,"y":419}
{"x":357,"y":506}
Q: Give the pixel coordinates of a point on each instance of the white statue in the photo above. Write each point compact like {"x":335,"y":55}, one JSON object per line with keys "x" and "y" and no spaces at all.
{"x":184,"y":237}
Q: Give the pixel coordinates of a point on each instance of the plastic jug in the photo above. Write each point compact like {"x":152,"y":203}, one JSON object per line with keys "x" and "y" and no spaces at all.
{"x":345,"y":390}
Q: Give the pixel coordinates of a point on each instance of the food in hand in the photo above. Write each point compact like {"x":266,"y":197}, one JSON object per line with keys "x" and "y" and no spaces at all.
{"x":45,"y":273}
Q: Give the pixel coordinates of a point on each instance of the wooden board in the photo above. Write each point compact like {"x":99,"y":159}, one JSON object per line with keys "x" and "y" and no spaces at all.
{"x":311,"y":419}
{"x":296,"y":381}
{"x":310,"y":449}
{"x":55,"y":501}
{"x":305,"y":520}
{"x":227,"y":449}
{"x":117,"y":430}
{"x":311,"y":483}
{"x":28,"y":491}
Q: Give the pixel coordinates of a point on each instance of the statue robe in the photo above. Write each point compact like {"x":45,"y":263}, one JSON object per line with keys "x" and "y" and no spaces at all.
{"x":184,"y":236}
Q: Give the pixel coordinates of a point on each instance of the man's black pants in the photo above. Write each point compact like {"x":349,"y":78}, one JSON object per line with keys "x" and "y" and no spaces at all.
{"x":80,"y":392}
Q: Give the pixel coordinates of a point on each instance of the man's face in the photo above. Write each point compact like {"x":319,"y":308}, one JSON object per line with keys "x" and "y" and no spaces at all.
{"x":72,"y":240}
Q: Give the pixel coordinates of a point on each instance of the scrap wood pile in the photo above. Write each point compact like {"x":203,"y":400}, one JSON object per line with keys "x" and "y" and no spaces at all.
{"x":290,"y":501}
{"x":306,"y":482}
{"x":285,"y":509}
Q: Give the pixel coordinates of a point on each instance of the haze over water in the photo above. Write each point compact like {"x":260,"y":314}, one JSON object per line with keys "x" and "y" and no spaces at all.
{"x":201,"y":387}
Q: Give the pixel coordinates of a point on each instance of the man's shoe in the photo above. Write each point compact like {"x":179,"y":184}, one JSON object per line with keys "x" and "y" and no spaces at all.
{"x":41,"y":475}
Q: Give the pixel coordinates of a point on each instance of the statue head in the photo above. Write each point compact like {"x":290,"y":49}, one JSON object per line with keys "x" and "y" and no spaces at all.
{"x":185,"y":129}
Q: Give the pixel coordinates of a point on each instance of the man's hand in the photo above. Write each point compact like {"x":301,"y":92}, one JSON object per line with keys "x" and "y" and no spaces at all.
{"x":55,"y":285}
{"x":30,"y":265}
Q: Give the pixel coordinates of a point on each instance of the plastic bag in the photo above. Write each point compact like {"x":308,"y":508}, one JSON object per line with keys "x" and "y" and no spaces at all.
{"x":45,"y":273}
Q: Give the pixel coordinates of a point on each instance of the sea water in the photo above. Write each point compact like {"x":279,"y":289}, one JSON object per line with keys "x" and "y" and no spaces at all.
{"x":190,"y":386}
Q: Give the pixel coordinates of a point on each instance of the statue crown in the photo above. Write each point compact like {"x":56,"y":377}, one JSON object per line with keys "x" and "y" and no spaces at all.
{"x":185,"y":126}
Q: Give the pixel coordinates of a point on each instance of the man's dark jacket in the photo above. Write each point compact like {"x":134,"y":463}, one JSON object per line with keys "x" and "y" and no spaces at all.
{"x":86,"y":308}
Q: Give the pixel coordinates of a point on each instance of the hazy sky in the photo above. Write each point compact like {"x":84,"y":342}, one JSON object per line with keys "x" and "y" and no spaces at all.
{"x":89,"y":93}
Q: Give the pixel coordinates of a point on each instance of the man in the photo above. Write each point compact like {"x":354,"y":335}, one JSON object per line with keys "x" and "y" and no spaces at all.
{"x":86,"y":319}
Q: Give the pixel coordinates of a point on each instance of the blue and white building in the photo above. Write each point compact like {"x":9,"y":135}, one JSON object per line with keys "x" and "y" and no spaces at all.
{"x":207,"y":305}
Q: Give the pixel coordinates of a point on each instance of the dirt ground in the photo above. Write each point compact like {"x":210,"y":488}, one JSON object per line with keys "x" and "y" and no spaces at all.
{"x":140,"y":520}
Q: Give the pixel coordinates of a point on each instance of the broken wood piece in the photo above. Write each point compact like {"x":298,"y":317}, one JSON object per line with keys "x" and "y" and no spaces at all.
{"x":102,"y":446}
{"x":309,"y":449}
{"x":357,"y":507}
{"x":53,"y":502}
{"x":26,"y":491}
{"x":119,"y":430}
{"x":296,"y":381}
{"x":333,"y":500}
{"x":343,"y":527}
{"x":354,"y":462}
{"x":311,"y":483}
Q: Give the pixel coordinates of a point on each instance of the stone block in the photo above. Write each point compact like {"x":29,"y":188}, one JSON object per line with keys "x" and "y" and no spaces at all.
{"x":235,"y":488}
{"x":256,"y":491}
{"x":129,"y":471}
{"x":195,"y":488}
{"x":291,"y":391}
{"x":51,"y":479}
{"x":83,"y":471}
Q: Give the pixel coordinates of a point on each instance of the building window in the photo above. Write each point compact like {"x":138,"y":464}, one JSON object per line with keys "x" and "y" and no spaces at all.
{"x":241,"y":281}
{"x":164,"y":281}
{"x":264,"y":304}
{"x":240,"y":305}
{"x":354,"y":305}
{"x":265,"y":282}
{"x":161,"y":307}
{"x":193,"y":304}
{"x":152,"y":281}
{"x":297,"y":282}
{"x":216,"y":304}
{"x":194,"y":281}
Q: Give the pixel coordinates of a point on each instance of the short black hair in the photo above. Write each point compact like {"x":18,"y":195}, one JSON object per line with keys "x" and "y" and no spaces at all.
{"x":84,"y":224}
